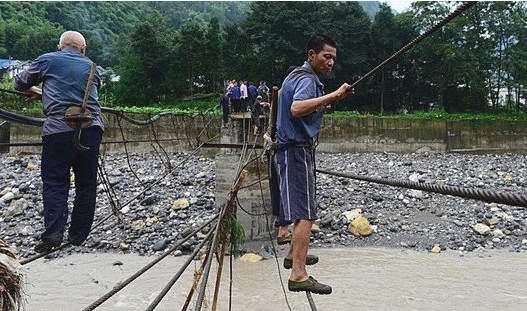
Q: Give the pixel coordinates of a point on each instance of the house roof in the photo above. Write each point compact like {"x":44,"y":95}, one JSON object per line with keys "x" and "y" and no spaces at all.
{"x":5,"y":63}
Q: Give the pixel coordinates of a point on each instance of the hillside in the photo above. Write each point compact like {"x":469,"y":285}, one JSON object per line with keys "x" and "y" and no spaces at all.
{"x":28,"y":29}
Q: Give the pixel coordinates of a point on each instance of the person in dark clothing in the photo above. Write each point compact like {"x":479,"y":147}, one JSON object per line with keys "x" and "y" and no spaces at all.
{"x":235,"y":95}
{"x":64,"y":77}
{"x":263,"y":90}
{"x":256,"y":111}
{"x":224,"y":103}
{"x":252,"y":92}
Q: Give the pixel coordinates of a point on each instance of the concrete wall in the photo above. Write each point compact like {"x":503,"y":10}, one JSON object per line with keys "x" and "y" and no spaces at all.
{"x":414,"y":135}
{"x":178,"y":134}
{"x":174,"y":133}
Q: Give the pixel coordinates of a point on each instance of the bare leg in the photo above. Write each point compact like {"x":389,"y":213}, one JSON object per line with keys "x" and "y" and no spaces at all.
{"x":299,"y":248}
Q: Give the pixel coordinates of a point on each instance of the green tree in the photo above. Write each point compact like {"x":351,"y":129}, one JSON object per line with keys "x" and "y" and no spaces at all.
{"x":144,"y":64}
{"x":212,"y":62}
{"x":350,"y":27}
{"x":385,"y":41}
{"x":3,"y":50}
{"x":191,"y":54}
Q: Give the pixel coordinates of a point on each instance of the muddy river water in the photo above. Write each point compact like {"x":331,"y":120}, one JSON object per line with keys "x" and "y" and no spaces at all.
{"x":362,"y":279}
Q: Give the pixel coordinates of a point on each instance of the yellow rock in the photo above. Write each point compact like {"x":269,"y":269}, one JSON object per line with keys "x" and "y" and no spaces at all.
{"x":151,"y":220}
{"x":315,"y":228}
{"x":180,"y":204}
{"x":251,"y":257}
{"x":32,"y":166}
{"x":360,"y":226}
{"x":436,"y":249}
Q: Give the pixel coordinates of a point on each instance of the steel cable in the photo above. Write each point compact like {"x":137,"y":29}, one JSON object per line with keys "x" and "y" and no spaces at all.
{"x":172,"y":281}
{"x":478,"y":194}
{"x":417,"y":40}
{"x":123,"y":284}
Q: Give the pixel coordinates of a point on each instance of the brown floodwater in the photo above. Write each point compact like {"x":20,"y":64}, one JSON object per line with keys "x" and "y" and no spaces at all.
{"x":362,"y":279}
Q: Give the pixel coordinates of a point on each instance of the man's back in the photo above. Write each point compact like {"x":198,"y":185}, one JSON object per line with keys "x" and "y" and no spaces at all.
{"x":64,"y":75}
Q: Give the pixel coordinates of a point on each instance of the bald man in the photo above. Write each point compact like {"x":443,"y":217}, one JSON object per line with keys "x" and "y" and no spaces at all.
{"x":64,"y":78}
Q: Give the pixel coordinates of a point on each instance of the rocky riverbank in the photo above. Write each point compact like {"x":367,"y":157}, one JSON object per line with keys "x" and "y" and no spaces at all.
{"x":184,"y":199}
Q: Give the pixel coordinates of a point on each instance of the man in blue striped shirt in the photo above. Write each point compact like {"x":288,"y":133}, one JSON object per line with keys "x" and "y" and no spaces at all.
{"x":301,"y":104}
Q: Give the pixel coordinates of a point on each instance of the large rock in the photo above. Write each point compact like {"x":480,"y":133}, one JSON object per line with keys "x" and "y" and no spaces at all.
{"x":250,"y":257}
{"x":16,"y":208}
{"x":180,"y":204}
{"x":315,"y":229}
{"x":360,"y":226}
{"x":481,"y":229}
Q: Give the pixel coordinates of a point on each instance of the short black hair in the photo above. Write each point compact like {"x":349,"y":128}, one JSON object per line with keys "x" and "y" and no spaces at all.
{"x":317,"y":42}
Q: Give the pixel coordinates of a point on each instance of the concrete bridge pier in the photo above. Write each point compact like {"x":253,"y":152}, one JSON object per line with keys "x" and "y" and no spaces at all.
{"x":255,"y":211}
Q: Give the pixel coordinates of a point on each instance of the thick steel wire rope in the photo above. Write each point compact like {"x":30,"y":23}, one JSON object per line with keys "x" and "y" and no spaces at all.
{"x":110,"y":192}
{"x":129,"y":280}
{"x":205,"y":128}
{"x":197,"y":277}
{"x":154,"y":134}
{"x":311,"y":301}
{"x":33,"y":121}
{"x":462,"y":8}
{"x":178,"y":274}
{"x":478,"y":194}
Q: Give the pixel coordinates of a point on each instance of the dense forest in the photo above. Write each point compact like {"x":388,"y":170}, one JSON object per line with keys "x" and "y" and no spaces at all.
{"x":164,"y":51}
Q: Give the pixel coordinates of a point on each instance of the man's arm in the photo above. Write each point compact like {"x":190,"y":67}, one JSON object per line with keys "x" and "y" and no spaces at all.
{"x":301,"y":108}
{"x":27,"y":80}
{"x":34,"y":93}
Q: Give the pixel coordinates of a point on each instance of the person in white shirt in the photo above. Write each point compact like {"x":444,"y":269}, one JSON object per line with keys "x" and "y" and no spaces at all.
{"x":243,"y":95}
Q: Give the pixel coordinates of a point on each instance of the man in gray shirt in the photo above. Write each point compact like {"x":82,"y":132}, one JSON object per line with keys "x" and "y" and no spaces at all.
{"x":64,"y":77}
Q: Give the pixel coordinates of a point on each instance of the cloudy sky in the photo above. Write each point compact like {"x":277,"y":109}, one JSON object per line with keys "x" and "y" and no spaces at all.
{"x":399,"y":5}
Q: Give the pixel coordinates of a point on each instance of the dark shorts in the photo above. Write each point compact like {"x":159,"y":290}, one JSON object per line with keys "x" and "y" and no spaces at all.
{"x":296,"y":170}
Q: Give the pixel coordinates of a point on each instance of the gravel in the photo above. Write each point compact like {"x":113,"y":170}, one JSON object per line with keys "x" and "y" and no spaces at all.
{"x":172,"y":207}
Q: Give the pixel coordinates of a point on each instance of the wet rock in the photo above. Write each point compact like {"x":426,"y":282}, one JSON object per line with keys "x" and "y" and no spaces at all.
{"x":159,"y":245}
{"x":436,"y":249}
